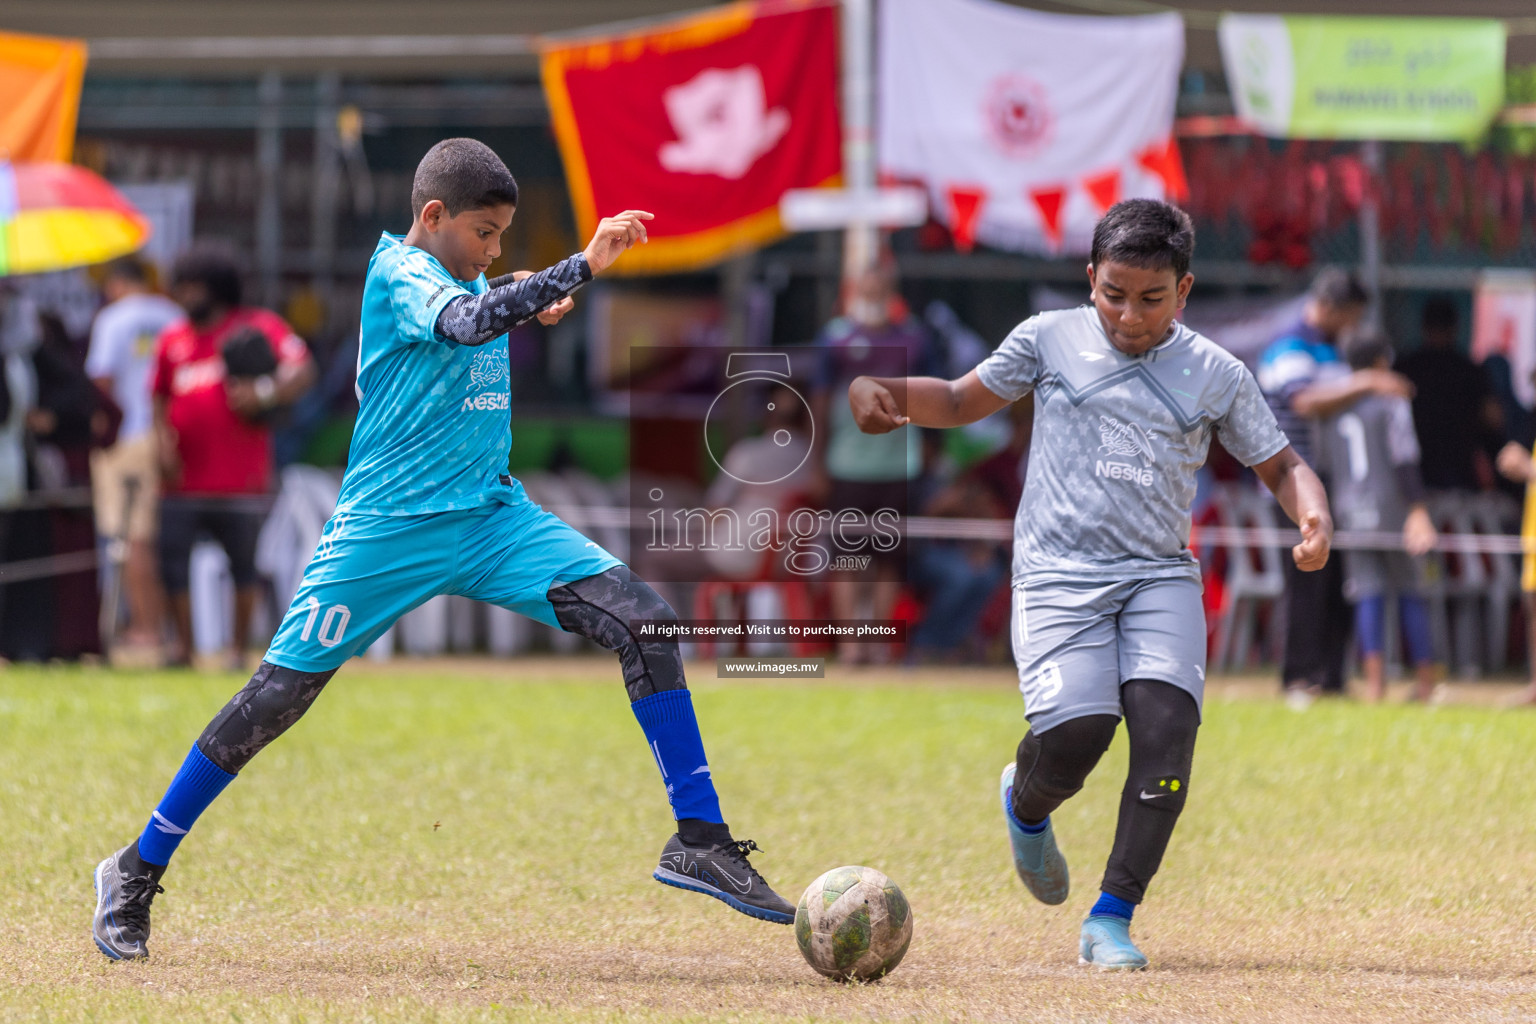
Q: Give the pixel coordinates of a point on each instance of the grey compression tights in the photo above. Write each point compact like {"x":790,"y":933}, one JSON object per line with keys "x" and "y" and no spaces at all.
{"x":1161,"y":721}
{"x":273,"y":700}
{"x":603,"y":608}
{"x":600,"y":608}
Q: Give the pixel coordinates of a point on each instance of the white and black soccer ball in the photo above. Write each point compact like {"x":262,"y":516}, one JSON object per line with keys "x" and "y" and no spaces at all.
{"x":853,"y":923}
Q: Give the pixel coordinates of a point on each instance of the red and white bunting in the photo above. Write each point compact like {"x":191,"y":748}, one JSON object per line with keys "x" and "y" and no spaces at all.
{"x":1023,"y":125}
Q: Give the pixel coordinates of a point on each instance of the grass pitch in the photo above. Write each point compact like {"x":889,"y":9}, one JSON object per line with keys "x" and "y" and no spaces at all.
{"x":474,"y":843}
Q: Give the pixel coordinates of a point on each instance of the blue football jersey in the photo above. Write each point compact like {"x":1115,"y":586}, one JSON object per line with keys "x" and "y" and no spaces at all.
{"x":433,"y":424}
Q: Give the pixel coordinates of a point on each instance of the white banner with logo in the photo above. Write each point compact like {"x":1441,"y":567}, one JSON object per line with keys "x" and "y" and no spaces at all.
{"x":1026,"y":126}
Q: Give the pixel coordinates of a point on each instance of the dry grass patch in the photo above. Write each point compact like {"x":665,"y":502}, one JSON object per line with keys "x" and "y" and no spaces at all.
{"x":472,"y":842}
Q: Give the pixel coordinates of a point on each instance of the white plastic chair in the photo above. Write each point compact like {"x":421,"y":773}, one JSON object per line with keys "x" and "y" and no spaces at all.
{"x":1456,"y":596}
{"x":211,"y":591}
{"x":1497,"y":515}
{"x":1254,"y":573}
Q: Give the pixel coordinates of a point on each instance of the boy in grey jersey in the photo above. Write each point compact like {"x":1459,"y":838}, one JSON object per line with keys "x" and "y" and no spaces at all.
{"x":1107,"y":612}
{"x":1371,"y":453}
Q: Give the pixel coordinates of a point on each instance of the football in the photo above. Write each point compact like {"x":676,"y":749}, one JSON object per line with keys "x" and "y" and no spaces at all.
{"x":853,"y":924}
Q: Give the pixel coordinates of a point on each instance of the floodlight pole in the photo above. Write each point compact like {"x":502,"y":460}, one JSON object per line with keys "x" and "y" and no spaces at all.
{"x":860,"y":240}
{"x":1370,"y":231}
{"x":326,"y":185}
{"x":269,"y":185}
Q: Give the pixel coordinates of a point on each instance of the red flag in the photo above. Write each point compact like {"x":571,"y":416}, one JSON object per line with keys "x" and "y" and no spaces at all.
{"x":1049,"y":202}
{"x":1104,"y":189}
{"x":1163,"y":160}
{"x":964,"y":208}
{"x":705,"y":122}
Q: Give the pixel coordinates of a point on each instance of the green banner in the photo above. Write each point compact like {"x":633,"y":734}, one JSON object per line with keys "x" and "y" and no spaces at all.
{"x":1323,"y":77}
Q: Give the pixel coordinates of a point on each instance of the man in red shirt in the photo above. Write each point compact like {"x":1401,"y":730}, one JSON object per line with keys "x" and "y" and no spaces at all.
{"x":211,"y":413}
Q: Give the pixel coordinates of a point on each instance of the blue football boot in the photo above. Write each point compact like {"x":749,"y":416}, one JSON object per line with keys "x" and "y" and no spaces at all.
{"x":1106,"y":943}
{"x":1040,"y":865}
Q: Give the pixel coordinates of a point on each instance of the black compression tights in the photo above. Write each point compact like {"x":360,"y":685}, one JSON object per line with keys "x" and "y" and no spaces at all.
{"x":1161,"y":721}
{"x":273,"y":700}
{"x":600,"y":608}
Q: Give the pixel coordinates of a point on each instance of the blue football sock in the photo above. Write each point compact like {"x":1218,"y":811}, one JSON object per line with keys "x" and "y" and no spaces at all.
{"x":192,"y":790}
{"x":1113,"y":906}
{"x":1032,"y":830}
{"x":673,"y":733}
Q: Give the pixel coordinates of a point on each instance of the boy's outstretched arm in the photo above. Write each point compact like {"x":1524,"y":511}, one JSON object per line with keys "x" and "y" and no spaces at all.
{"x":881,"y":404}
{"x":517,"y":298}
{"x":1301,"y":494}
{"x":547,"y":316}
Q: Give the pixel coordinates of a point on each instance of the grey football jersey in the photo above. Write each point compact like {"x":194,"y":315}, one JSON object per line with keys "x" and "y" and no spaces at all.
{"x":1117,"y":442}
{"x":1362,"y":449}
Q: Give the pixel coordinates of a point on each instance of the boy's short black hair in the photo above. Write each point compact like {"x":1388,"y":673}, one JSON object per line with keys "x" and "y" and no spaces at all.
{"x":132,"y":269}
{"x":1440,"y":312}
{"x":462,"y":174}
{"x":212,"y":265}
{"x":1366,"y":349}
{"x":1338,"y":288}
{"x":1145,"y":233}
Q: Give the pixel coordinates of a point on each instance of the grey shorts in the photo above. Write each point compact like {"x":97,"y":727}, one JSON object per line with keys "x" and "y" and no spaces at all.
{"x":1373,"y":573}
{"x":1075,"y":643}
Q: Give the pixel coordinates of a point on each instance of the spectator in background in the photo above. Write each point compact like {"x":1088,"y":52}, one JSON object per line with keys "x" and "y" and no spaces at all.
{"x":125,"y":477}
{"x":868,"y":472}
{"x":775,"y":457}
{"x":211,"y":417}
{"x":1515,"y":462}
{"x":1372,"y":453}
{"x":957,"y":579}
{"x":19,"y":335}
{"x":1304,"y":382}
{"x":66,"y":419}
{"x":1451,"y":403}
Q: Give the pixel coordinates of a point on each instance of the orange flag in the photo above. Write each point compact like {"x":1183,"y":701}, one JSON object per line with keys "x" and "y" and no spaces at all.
{"x":39,"y":96}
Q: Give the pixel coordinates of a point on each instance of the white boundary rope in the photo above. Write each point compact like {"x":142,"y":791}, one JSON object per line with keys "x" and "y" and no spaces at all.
{"x":932,"y":528}
{"x":925,"y":528}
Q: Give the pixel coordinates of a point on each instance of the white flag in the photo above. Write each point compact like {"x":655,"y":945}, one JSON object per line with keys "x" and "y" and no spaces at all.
{"x":1026,"y":126}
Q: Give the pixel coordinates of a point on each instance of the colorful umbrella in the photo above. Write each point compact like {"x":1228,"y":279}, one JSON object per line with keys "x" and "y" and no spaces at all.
{"x":55,"y":216}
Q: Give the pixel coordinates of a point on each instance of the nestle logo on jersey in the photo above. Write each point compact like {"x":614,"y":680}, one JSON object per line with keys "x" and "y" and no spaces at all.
{"x":485,"y":369}
{"x":488,"y":368}
{"x":1124,"y":439}
{"x":1121,"y":471}
{"x":487,"y":400}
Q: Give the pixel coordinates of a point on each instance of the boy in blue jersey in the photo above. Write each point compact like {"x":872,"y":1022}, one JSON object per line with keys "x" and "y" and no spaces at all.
{"x":426,"y":508}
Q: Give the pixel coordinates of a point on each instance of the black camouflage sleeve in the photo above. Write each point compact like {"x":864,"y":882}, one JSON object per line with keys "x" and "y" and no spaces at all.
{"x":477,"y":319}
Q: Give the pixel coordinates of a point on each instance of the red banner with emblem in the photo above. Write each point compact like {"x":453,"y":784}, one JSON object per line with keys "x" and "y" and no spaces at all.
{"x":705,"y":122}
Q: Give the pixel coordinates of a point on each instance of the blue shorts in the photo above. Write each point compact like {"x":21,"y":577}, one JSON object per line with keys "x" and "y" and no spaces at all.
{"x":370,"y":570}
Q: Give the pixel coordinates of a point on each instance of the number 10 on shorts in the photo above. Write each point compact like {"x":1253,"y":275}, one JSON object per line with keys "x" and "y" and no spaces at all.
{"x":332,"y":627}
